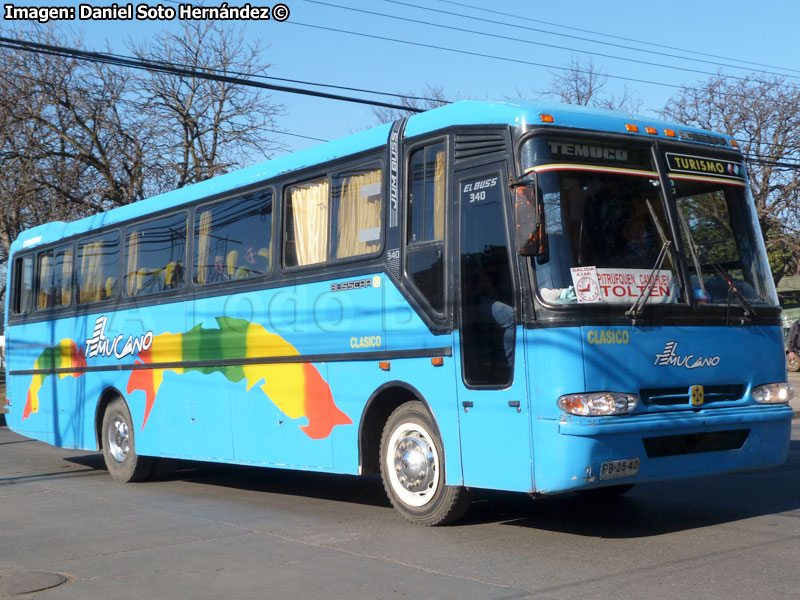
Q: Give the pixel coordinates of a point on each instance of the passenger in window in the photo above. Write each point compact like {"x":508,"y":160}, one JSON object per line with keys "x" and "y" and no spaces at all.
{"x":254,"y":264}
{"x":219,"y":272}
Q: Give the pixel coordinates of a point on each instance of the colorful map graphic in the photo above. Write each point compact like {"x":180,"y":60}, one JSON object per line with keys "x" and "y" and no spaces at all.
{"x":296,"y":388}
{"x":64,"y":355}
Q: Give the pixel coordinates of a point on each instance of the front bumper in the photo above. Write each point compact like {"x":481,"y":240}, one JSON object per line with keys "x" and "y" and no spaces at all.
{"x":669,"y":445}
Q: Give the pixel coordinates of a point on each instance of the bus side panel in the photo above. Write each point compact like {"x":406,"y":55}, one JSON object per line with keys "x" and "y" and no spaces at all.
{"x":44,"y":406}
{"x":58,"y":408}
{"x":354,"y":382}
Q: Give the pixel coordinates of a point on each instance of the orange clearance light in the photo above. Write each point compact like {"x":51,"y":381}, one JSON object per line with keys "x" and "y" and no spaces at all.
{"x":670,"y":133}
{"x":734,"y":143}
{"x":547,"y":118}
{"x":384,"y":365}
{"x":651,"y":130}
{"x":631,"y":127}
{"x":437,"y":361}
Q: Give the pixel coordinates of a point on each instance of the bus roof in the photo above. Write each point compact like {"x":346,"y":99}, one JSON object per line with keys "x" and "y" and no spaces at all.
{"x":468,"y":112}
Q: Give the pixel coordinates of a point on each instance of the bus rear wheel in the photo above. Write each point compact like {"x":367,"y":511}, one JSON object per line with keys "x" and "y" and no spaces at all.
{"x":119,"y":447}
{"x":412,"y":469}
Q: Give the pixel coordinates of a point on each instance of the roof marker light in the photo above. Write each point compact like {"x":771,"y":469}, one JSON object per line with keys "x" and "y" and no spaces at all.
{"x":734,"y":143}
{"x":670,"y":133}
{"x":651,"y":130}
{"x":631,"y":127}
{"x":547,"y":118}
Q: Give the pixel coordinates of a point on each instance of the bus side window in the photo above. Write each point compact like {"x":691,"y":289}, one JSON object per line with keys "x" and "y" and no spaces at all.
{"x":155,"y":255}
{"x":426,"y":216}
{"x":357,"y":219}
{"x":97,"y":262}
{"x":233,"y":239}
{"x":307,"y":227}
{"x":45,"y":297}
{"x":54,"y":286}
{"x":23,"y":285}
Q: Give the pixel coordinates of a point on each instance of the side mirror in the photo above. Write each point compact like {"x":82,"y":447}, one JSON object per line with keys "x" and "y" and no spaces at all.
{"x":531,"y":231}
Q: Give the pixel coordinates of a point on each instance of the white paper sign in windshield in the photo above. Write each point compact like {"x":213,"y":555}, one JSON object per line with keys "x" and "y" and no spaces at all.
{"x":586,"y":284}
{"x":625,"y":285}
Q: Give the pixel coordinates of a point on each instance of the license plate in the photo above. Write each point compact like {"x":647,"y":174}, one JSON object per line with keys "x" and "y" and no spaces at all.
{"x":619,"y":468}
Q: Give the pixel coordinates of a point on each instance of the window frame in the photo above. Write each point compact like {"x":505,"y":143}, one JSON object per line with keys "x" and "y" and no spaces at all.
{"x":126,"y":230}
{"x":83,"y":240}
{"x":445,"y":315}
{"x":205,"y":204}
{"x":332,"y":176}
{"x":54,"y":250}
{"x":18,"y":276}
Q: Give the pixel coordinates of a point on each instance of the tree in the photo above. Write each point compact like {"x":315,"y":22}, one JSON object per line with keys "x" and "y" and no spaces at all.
{"x":763,"y":114}
{"x":204,"y":128}
{"x":585,"y":85}
{"x":78,"y":137}
{"x":431,"y":97}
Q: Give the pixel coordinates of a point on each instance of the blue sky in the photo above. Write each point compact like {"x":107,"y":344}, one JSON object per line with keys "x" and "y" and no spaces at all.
{"x":299,"y":48}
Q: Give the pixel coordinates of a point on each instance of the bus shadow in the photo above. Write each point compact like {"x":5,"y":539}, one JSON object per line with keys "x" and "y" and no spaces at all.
{"x":366,"y":490}
{"x":648,"y":510}
{"x":655,"y":508}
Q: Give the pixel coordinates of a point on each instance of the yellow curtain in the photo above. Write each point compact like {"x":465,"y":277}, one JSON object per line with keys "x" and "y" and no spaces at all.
{"x":66,"y":278}
{"x":310,"y":211}
{"x":91,"y":284}
{"x":438,"y":197}
{"x":45,"y":281}
{"x":204,"y":247}
{"x":133,"y":264}
{"x":359,"y":214}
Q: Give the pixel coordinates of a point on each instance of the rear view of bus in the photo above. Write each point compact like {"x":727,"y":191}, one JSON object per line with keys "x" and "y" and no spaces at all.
{"x":656,"y":336}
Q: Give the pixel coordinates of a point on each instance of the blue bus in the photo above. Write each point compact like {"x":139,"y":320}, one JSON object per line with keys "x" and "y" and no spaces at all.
{"x":511,"y":296}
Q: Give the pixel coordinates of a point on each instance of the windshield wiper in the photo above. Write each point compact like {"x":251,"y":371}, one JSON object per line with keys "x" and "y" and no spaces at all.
{"x":638,"y":306}
{"x":749,"y":311}
{"x":694,"y":253}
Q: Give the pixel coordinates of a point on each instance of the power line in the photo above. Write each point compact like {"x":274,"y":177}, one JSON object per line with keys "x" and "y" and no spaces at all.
{"x":171,"y":68}
{"x":478,"y":54}
{"x":104,"y":58}
{"x":306,"y":137}
{"x":518,"y":17}
{"x":523,"y":41}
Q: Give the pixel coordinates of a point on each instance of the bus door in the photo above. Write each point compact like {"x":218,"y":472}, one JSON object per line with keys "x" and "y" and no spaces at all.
{"x":492,"y":389}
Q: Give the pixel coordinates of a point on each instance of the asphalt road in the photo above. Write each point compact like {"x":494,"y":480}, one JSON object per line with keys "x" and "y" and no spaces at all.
{"x":232,"y":532}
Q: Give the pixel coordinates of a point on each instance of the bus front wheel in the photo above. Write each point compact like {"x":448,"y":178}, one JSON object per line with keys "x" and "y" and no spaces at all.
{"x":412,"y":469}
{"x":119,"y":448}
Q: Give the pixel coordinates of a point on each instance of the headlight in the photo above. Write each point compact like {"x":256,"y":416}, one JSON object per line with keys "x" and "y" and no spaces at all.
{"x":773,"y":393}
{"x":596,"y":404}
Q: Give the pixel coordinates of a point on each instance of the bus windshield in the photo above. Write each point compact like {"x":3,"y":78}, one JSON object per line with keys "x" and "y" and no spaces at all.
{"x":604,"y":222}
{"x":719,"y":228}
{"x":607,"y":235}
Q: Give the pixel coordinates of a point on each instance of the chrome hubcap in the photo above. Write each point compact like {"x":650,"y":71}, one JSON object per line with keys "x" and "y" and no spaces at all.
{"x":413,"y":463}
{"x":118,"y":440}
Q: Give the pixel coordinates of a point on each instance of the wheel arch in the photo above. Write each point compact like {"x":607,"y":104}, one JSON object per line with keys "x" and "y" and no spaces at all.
{"x":109,"y":394}
{"x":380,"y":405}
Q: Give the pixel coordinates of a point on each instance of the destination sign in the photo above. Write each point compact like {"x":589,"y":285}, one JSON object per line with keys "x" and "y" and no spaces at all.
{"x":703,"y":165}
{"x":586,"y":151}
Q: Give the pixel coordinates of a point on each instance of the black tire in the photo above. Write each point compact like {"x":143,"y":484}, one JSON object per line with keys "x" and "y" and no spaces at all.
{"x":119,"y":447}
{"x":608,"y":492}
{"x":411,"y":448}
